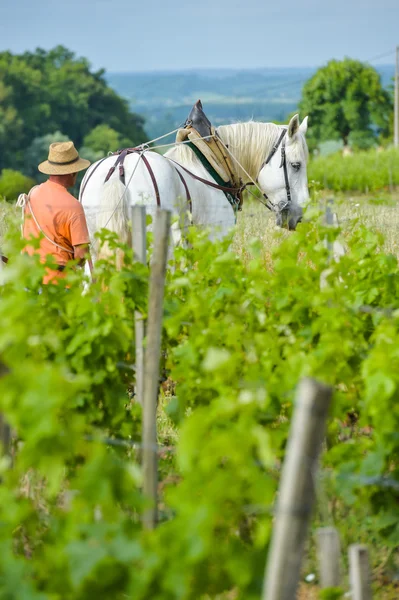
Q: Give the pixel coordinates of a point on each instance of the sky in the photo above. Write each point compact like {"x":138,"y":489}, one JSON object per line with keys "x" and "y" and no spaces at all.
{"x":165,"y":35}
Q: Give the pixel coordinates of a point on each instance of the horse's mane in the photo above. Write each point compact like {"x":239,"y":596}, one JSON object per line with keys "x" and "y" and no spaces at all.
{"x":251,"y":155}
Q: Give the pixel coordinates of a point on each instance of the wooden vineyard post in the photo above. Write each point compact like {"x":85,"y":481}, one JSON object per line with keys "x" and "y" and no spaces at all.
{"x":359,"y":567}
{"x":331,"y":219}
{"x":152,"y":359}
{"x":5,"y":430}
{"x":297,"y":491}
{"x":140,"y":250}
{"x":335,"y":249}
{"x":328,"y":551}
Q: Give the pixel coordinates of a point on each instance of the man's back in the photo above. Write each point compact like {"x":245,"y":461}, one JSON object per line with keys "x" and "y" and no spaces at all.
{"x":61,"y":218}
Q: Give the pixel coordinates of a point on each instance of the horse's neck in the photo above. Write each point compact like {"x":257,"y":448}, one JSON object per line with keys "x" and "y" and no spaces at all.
{"x":250,"y":143}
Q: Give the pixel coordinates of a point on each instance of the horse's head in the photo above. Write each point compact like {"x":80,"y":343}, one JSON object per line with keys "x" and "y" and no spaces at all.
{"x":283,"y":176}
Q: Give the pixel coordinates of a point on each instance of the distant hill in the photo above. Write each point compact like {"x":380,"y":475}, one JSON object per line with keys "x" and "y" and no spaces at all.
{"x":228,"y":95}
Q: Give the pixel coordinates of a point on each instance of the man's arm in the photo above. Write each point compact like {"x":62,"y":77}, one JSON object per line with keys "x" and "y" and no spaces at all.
{"x":81,"y":253}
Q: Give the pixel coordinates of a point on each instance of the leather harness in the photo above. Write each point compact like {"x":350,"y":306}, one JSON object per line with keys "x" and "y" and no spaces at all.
{"x":121,"y":155}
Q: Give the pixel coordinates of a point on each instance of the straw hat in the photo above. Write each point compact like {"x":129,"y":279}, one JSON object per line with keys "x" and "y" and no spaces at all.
{"x":63,"y":158}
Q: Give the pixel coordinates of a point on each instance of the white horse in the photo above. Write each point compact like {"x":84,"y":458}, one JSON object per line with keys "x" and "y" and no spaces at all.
{"x":274,"y":157}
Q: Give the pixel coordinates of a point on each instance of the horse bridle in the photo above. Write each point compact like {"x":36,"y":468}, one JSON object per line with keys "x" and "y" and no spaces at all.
{"x":283,"y":204}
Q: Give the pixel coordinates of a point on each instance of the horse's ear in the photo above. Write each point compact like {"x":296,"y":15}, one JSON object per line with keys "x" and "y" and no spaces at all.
{"x":304,"y":126}
{"x":293,"y":126}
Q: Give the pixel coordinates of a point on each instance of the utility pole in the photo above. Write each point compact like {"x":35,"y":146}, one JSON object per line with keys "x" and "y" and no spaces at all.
{"x":396,"y":111}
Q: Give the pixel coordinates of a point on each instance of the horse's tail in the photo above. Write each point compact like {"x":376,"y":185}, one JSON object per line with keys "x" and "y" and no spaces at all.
{"x":112,"y":215}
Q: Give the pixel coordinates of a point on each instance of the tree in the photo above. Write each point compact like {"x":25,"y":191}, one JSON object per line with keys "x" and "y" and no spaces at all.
{"x":346,"y":101}
{"x":104,"y":139}
{"x":37,"y":152}
{"x":42,"y":92}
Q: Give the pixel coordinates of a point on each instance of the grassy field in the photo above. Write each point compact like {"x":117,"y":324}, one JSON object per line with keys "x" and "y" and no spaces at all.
{"x":378,"y":212}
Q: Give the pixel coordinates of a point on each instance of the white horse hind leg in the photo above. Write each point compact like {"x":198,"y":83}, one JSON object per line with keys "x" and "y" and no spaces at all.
{"x":112,"y":215}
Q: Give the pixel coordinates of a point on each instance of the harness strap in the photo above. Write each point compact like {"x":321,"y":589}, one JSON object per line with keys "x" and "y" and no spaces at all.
{"x":224,"y":188}
{"x":189,"y":201}
{"x":154,"y":181}
{"x":273,"y":150}
{"x":284,"y":165}
{"x":89,"y":176}
{"x":234,"y":197}
{"x":119,"y":161}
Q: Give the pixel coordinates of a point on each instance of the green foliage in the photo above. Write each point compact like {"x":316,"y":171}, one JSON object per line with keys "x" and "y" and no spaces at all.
{"x":346,"y":99}
{"x":363,"y":171}
{"x":13,"y":183}
{"x":104,"y":139}
{"x":37,"y":152}
{"x":42,"y":92}
{"x":331,"y":594}
{"x":247,"y":337}
{"x":238,"y":338}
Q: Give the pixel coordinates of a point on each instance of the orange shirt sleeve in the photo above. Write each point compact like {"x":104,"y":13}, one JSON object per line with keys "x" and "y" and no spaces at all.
{"x":79,"y":233}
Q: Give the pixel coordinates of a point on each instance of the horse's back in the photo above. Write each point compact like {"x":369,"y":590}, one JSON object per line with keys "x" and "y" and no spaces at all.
{"x":150,"y":180}
{"x":143,"y":176}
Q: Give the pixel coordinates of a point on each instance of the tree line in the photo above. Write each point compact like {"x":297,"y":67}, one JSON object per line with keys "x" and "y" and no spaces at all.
{"x":54,"y":95}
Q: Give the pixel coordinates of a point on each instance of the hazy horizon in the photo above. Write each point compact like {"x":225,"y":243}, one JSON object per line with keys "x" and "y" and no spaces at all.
{"x":235,"y":69}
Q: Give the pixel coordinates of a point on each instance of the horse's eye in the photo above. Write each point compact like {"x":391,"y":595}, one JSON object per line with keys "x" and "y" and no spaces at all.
{"x":296,"y":166}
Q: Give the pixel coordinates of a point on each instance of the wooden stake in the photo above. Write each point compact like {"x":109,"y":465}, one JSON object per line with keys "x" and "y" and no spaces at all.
{"x":139,"y":248}
{"x":328,"y":552}
{"x":396,"y":102}
{"x":152,"y":358}
{"x":359,"y":567}
{"x":297,"y":491}
{"x":5,"y":430}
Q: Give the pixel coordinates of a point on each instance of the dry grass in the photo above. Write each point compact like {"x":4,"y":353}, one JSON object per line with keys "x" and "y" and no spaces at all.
{"x":379,"y":213}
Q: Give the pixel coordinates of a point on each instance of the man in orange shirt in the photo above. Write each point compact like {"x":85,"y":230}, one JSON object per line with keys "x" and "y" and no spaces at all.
{"x":52,"y":211}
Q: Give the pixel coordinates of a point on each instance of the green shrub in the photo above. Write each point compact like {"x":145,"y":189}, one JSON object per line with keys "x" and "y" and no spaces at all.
{"x":104,"y":139}
{"x":13,"y":183}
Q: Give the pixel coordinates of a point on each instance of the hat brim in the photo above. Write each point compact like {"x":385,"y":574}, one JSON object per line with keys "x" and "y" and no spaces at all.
{"x":50,"y":169}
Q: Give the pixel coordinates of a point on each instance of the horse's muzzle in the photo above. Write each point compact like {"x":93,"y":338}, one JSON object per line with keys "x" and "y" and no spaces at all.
{"x":288,"y":219}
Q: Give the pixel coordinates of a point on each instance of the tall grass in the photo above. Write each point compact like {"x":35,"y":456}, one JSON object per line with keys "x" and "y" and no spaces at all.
{"x":379,"y":213}
{"x":366,"y":171}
